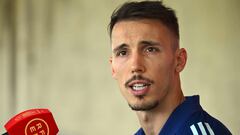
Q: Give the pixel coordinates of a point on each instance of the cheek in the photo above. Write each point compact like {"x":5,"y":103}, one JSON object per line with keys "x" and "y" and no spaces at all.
{"x":162,"y":70}
{"x":161,"y":66}
{"x":119,"y":68}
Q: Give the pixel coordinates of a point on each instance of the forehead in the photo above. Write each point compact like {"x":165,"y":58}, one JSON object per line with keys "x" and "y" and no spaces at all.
{"x":137,"y":30}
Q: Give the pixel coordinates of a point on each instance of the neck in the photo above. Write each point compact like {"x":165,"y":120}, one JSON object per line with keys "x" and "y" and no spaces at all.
{"x":152,"y":121}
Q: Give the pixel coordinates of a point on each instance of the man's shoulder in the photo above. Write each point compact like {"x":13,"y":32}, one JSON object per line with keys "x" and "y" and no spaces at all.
{"x":201,"y":123}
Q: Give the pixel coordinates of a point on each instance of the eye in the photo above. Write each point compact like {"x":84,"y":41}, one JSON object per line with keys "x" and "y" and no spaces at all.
{"x":121,"y":53}
{"x":152,"y":49}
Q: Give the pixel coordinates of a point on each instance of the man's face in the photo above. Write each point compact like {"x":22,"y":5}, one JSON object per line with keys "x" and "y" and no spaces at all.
{"x":143,"y":62}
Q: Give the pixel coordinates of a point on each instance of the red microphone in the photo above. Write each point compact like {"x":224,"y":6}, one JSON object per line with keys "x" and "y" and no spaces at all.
{"x":32,"y":122}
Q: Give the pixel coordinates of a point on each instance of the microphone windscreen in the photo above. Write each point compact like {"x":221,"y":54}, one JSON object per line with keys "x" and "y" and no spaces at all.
{"x":32,"y":122}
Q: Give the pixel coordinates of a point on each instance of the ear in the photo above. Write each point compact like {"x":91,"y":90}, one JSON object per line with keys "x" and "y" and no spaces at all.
{"x":112,"y":68}
{"x":181,"y":59}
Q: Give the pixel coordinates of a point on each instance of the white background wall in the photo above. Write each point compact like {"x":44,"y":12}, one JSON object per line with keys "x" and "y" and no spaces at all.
{"x":54,"y":54}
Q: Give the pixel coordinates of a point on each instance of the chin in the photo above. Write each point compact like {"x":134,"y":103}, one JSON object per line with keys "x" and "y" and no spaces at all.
{"x":141,"y":105}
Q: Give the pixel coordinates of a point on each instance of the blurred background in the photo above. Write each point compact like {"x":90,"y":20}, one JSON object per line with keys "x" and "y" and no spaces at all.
{"x":55,"y":54}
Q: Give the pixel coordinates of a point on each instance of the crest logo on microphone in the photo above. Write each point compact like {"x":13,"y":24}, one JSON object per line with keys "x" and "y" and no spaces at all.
{"x":37,"y":126}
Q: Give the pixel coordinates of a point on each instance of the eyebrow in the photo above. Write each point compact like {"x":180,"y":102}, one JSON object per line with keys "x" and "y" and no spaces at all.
{"x":142,"y":43}
{"x":149,"y":43}
{"x":121,"y":46}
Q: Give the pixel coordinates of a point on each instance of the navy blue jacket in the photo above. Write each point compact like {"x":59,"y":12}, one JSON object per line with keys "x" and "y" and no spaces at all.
{"x":190,"y":119}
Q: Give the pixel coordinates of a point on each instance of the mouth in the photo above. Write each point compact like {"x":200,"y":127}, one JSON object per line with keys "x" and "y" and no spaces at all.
{"x":139,"y":87}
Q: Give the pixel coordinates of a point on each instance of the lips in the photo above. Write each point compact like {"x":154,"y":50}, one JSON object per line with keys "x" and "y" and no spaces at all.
{"x":139,"y":87}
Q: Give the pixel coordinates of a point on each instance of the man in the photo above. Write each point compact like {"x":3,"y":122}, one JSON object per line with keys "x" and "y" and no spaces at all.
{"x":146,"y":61}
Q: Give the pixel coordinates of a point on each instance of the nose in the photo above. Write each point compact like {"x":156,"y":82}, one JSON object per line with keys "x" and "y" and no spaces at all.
{"x":137,"y":63}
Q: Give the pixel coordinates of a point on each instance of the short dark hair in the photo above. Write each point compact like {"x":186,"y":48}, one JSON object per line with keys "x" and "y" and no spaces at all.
{"x":146,"y":10}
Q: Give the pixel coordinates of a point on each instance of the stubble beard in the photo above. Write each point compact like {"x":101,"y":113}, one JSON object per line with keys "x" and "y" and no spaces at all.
{"x":147,"y":106}
{"x":144,"y":106}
